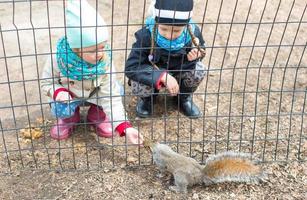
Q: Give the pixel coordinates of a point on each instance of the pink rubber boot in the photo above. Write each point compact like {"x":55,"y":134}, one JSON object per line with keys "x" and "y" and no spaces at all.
{"x":64,"y":127}
{"x":99,"y":120}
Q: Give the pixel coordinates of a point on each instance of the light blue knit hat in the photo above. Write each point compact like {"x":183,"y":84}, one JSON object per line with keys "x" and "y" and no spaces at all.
{"x":84,"y":24}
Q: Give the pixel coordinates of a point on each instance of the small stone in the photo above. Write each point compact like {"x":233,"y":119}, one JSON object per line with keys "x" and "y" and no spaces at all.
{"x":109,"y":188}
{"x":131,"y":159}
{"x":252,"y":119}
{"x":195,"y":196}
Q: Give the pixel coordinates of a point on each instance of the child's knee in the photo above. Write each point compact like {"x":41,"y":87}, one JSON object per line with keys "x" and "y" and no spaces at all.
{"x":194,"y":78}
{"x":199,"y":72}
{"x":141,"y":89}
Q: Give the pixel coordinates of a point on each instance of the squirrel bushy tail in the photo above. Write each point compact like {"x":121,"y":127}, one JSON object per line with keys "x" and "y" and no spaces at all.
{"x":232,"y":167}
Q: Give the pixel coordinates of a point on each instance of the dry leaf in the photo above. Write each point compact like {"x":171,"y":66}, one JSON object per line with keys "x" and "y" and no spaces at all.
{"x":25,"y":140}
{"x":40,"y":120}
{"x":80,"y":147}
{"x":34,"y":133}
{"x":131,"y":159}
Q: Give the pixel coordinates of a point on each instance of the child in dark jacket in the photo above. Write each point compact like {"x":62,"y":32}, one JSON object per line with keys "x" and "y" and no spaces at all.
{"x":167,"y":53}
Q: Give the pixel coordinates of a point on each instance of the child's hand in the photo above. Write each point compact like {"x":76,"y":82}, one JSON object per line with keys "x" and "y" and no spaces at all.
{"x":63,"y":96}
{"x":170,"y":83}
{"x":194,"y":54}
{"x":134,"y":136}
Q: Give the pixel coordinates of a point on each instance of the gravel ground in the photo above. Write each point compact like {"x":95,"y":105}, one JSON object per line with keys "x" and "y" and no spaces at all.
{"x":286,"y":181}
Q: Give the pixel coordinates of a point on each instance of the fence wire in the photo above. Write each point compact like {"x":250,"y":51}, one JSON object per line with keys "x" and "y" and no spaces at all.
{"x":253,"y":98}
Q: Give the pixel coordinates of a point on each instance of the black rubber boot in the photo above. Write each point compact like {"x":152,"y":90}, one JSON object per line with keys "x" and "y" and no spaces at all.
{"x":143,"y":107}
{"x":188,"y":107}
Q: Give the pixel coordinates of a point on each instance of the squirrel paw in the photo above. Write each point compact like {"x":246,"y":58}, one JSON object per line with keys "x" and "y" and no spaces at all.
{"x":178,"y":189}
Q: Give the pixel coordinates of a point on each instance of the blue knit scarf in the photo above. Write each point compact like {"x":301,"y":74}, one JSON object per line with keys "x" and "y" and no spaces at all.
{"x":170,"y":45}
{"x":73,"y":67}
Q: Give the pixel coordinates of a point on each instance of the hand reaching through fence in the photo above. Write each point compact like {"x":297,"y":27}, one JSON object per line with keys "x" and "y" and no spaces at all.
{"x":134,"y":136}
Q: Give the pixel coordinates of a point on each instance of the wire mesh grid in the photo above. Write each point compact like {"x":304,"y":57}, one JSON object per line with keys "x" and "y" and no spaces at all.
{"x":253,"y":97}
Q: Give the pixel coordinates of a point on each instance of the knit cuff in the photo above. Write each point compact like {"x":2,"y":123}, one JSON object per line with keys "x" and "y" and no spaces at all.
{"x":121,"y":128}
{"x":57,"y":91}
{"x":159,"y":84}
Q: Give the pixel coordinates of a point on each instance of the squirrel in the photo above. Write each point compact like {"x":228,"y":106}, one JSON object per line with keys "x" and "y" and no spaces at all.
{"x":223,"y":167}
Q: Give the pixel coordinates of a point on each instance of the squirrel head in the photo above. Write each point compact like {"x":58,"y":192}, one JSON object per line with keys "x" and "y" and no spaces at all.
{"x":149,"y":143}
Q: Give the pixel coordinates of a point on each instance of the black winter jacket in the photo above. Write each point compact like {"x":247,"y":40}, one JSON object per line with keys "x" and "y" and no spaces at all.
{"x":138,"y":67}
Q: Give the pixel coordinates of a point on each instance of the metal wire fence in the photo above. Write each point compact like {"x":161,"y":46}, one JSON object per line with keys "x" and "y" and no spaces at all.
{"x":253,"y":97}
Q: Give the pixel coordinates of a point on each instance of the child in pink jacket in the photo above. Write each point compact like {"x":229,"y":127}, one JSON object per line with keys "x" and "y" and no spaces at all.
{"x":82,"y":70}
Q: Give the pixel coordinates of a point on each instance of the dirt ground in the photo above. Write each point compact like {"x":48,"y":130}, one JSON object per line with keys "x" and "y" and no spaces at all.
{"x":287,"y":181}
{"x":253,"y":100}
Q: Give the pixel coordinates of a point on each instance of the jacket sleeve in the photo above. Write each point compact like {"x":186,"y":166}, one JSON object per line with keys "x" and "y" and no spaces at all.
{"x":138,"y":67}
{"x":110,"y":99}
{"x":50,"y":78}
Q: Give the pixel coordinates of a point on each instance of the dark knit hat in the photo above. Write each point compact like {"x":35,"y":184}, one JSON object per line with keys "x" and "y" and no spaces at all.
{"x":177,"y":12}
